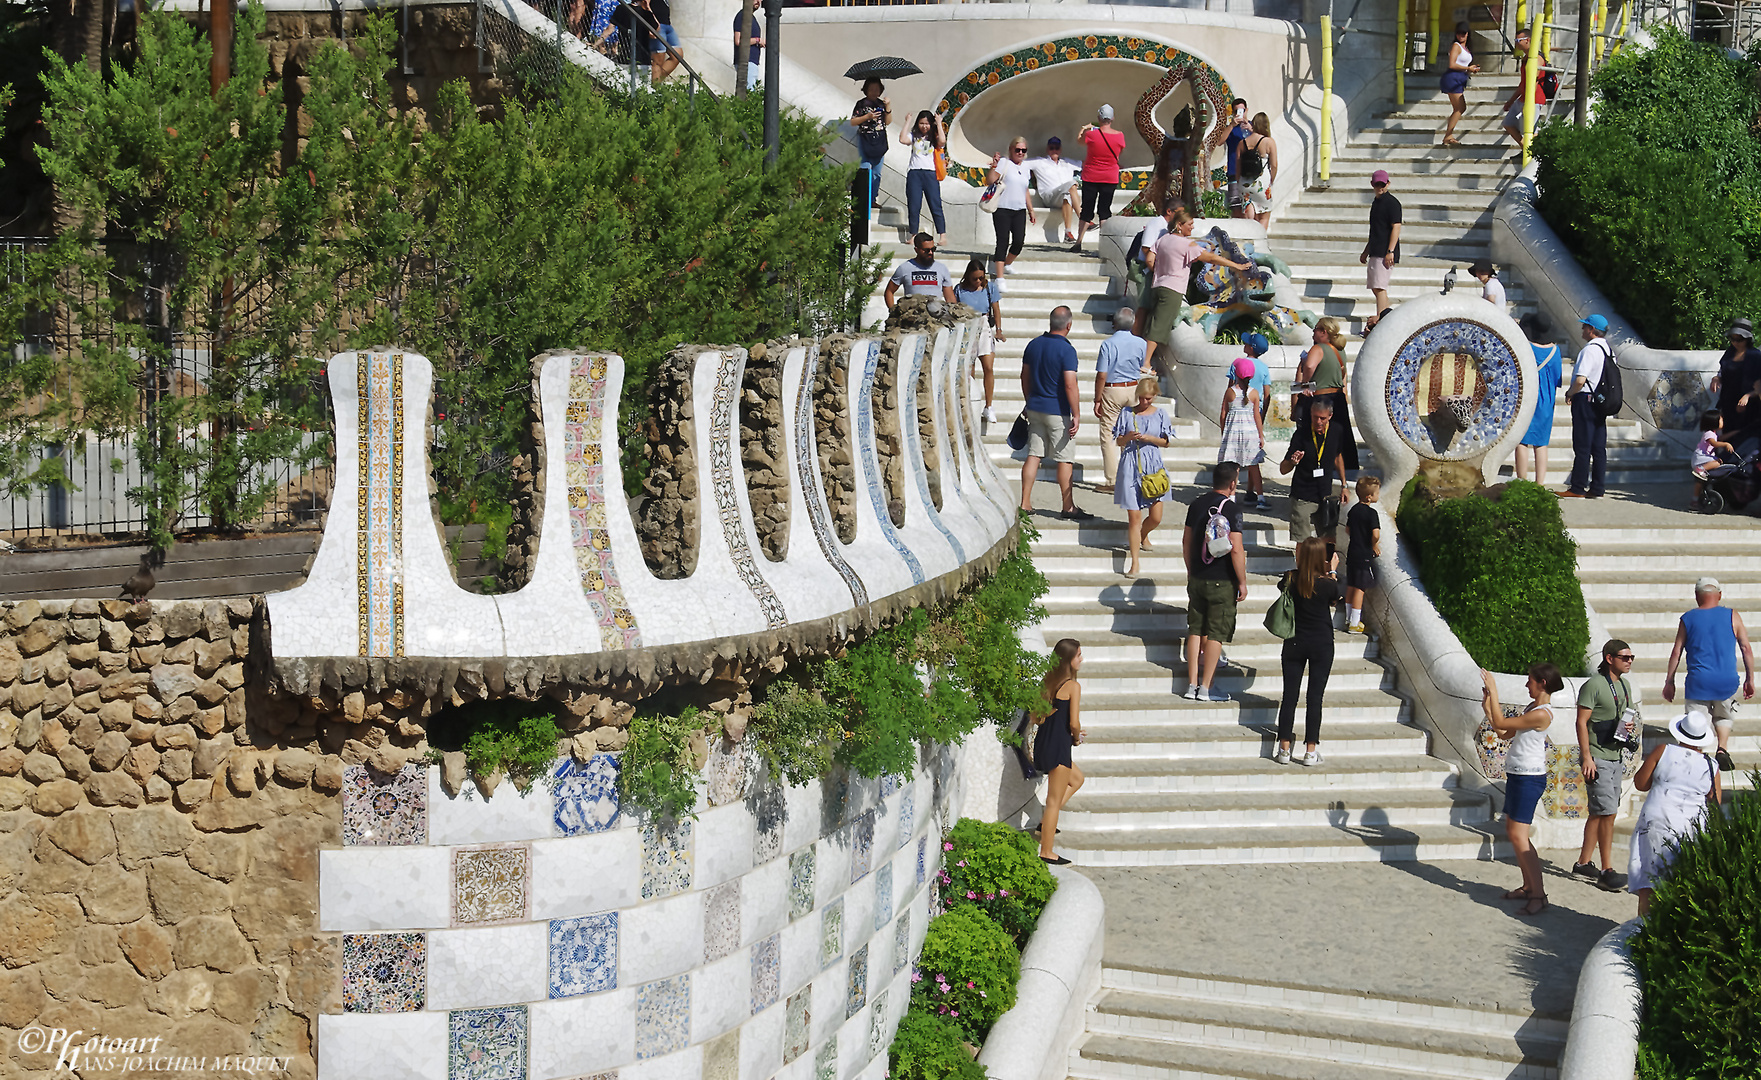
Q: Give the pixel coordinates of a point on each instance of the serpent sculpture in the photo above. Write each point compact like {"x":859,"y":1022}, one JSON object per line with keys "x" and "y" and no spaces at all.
{"x":1234,"y":295}
{"x":1213,"y":109}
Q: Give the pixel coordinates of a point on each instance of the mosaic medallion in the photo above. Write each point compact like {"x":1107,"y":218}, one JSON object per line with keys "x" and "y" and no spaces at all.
{"x":489,"y":884}
{"x":1453,"y":390}
{"x":384,"y":811}
{"x":1677,"y":400}
{"x":384,"y":973}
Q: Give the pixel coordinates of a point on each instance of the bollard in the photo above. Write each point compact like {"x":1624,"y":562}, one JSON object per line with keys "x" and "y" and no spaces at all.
{"x":1405,"y":45}
{"x":1531,"y":72}
{"x":1327,"y":100}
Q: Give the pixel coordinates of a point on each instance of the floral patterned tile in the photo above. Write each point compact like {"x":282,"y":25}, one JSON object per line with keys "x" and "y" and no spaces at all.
{"x":384,"y":973}
{"x":877,"y":1026}
{"x":721,"y":920}
{"x":766,"y":972}
{"x":825,"y":1063}
{"x":797,"y":1024}
{"x":831,"y":933}
{"x":889,"y":783}
{"x":583,"y":954}
{"x":489,"y":884}
{"x":586,"y":795}
{"x":666,"y":859}
{"x":922,"y":845}
{"x":858,"y":987}
{"x":883,"y":896}
{"x":383,"y":811}
{"x":861,"y":846}
{"x":729,"y":772}
{"x":902,"y":941}
{"x":663,"y":1016}
{"x":801,"y":883}
{"x":487,"y":1044}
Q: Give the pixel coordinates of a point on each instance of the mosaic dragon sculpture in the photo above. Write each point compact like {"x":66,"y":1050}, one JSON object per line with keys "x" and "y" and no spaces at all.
{"x":1235,"y":295}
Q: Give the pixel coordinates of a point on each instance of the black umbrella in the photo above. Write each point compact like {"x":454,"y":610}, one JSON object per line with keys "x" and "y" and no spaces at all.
{"x":883,"y":67}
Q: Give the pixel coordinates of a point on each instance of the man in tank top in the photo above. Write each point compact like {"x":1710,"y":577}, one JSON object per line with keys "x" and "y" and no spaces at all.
{"x":1710,"y":636}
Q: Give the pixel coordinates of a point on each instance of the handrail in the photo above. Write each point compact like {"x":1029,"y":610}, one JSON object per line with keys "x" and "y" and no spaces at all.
{"x":654,"y":31}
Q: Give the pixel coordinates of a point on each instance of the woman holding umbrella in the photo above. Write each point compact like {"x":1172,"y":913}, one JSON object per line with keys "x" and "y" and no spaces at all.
{"x":873,"y":112}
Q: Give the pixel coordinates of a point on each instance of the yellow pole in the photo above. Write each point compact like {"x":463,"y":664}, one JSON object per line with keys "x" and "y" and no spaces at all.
{"x":1546,"y":38}
{"x":1436,"y":23}
{"x":1601,"y":20}
{"x":1326,"y":99}
{"x":1522,"y":12}
{"x":1405,"y":51}
{"x":1531,"y":72}
{"x":1620,"y":28}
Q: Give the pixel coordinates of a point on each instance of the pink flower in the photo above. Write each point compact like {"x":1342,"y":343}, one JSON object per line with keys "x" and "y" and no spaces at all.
{"x":970,"y":895}
{"x":917,"y":976}
{"x":969,"y":984}
{"x":956,"y":1012}
{"x":962,"y":862}
{"x":1003,"y":892}
{"x":947,"y":847}
{"x":982,"y":994}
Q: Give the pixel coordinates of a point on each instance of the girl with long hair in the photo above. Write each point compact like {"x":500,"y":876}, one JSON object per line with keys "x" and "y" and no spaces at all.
{"x":982,"y":295}
{"x":1244,"y":432}
{"x":1323,"y":368}
{"x":1144,"y":430}
{"x":1525,"y":772}
{"x":1060,"y":728}
{"x":924,"y":137}
{"x":1257,"y":166}
{"x":1455,"y":80}
{"x":1315,"y":590}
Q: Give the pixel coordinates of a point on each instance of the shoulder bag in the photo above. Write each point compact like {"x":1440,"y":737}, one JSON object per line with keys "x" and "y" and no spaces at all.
{"x":1018,"y":432}
{"x":1281,"y":616}
{"x":941,"y":157}
{"x":1151,"y":486}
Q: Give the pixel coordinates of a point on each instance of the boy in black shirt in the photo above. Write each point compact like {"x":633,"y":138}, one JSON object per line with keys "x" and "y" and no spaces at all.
{"x":1364,"y":526}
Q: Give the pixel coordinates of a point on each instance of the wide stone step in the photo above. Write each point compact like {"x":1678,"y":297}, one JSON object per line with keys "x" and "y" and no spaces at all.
{"x":1102,"y":811}
{"x":1102,"y":706}
{"x":1170,"y":676}
{"x":1212,"y":845}
{"x":1245,"y":771}
{"x":1426,"y":234}
{"x":1414,"y":219}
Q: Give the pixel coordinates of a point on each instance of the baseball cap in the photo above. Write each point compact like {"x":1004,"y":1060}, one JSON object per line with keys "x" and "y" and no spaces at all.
{"x":1054,"y":141}
{"x":1380,"y":176}
{"x":1257,"y":342}
{"x":1707,"y":584}
{"x":1244,"y":368}
{"x":1594,"y":322}
{"x":1105,"y":112}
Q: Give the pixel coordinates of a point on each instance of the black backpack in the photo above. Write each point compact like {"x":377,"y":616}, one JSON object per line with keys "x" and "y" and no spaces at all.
{"x":1549,"y":84}
{"x":1608,"y":397}
{"x":1249,"y":164}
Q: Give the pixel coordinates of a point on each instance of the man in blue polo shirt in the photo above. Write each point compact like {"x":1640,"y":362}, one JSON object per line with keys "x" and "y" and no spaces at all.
{"x":1048,"y":383}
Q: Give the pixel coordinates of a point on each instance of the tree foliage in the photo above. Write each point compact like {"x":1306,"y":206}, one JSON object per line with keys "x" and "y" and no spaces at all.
{"x":1659,"y":197}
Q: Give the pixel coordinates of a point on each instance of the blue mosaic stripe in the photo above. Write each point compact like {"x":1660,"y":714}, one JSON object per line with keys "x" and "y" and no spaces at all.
{"x":929,"y":506}
{"x":865,"y":433}
{"x":723,"y":420}
{"x":805,"y":450}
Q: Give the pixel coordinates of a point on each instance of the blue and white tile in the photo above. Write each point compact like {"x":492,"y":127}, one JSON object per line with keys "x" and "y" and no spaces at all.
{"x":488,"y":1044}
{"x":801,"y":828}
{"x":761,"y":1043}
{"x":558,"y":1046}
{"x":800,"y":954}
{"x":857,"y":973}
{"x":660,"y":939}
{"x":721,"y":920}
{"x":767,"y":971}
{"x":383,"y":1046}
{"x":889,"y":783}
{"x":663,"y":1017}
{"x":922,"y":867}
{"x":666,"y":859}
{"x":764,"y":901}
{"x":721,"y":996}
{"x":469,"y":818}
{"x":580,"y":875}
{"x":585,"y":795}
{"x":583,"y":954}
{"x":396,"y":888}
{"x":480,"y":967}
{"x":907,"y":815}
{"x":724,"y":845}
{"x":883,"y":896}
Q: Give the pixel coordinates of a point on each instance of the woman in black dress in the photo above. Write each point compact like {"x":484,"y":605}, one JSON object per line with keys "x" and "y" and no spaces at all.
{"x":1316,"y":591}
{"x":1060,"y":728}
{"x":1737,"y":387}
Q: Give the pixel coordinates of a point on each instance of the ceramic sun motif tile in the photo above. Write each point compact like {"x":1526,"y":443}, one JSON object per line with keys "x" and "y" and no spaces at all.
{"x":384,"y":973}
{"x":583,"y":954}
{"x":489,"y":884}
{"x":800,"y":883}
{"x":857,"y":991}
{"x":766,"y":972}
{"x":721,"y":920}
{"x":663,"y":1016}
{"x":586,"y":795}
{"x":666,"y":859}
{"x":487,"y":1044}
{"x":383,"y":811}
{"x":797,"y":1024}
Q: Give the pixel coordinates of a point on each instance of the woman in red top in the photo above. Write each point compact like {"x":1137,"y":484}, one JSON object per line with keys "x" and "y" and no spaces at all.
{"x":1101,"y":149}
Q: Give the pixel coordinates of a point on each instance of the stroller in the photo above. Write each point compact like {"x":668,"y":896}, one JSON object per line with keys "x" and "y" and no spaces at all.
{"x":1736,"y":483}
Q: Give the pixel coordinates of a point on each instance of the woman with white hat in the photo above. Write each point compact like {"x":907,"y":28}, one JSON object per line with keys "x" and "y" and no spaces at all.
{"x":1681,"y":780}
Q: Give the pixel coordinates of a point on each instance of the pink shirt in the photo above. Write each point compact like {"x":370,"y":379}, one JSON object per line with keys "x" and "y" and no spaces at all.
{"x":1100,"y":159}
{"x":1175,"y":255}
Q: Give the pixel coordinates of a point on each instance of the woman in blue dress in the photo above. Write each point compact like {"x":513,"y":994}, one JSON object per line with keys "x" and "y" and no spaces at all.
{"x":1533,"y":444}
{"x":1141,"y":431}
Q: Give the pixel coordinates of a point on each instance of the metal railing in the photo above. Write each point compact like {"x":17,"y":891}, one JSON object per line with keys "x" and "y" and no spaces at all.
{"x":503,"y":45}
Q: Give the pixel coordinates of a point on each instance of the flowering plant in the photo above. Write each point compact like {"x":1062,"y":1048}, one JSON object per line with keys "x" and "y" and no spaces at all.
{"x":996,"y":868}
{"x":967,"y":971}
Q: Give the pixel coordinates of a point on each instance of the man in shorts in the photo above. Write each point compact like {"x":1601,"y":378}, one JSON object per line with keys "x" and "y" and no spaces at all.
{"x":1170,"y":263}
{"x":1602,"y":702}
{"x":1054,"y":177}
{"x":1383,"y":249}
{"x":1215,"y":583}
{"x":1048,"y":385}
{"x":1711,"y":635}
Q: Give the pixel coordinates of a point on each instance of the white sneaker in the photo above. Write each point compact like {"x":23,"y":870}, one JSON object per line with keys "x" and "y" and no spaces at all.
{"x":1192,"y":694}
{"x":990,"y":414}
{"x":1282,"y":757}
{"x":1213,"y":694}
{"x":1313,"y":757}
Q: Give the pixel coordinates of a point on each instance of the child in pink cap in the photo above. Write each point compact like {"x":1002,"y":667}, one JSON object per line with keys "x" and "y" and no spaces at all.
{"x":1244,"y":434}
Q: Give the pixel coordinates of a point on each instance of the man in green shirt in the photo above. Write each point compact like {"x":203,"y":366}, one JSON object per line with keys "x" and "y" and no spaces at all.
{"x":1603,"y":700}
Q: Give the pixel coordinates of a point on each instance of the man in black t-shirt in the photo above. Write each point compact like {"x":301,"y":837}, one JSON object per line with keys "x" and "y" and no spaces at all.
{"x":1313,"y":450}
{"x":1216,"y":580}
{"x":1383,"y":249}
{"x":1363,"y":527}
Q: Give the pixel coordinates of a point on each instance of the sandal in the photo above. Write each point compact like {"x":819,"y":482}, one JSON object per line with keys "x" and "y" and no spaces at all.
{"x":1532,"y":910}
{"x":1144,"y":545}
{"x":1517,"y":894}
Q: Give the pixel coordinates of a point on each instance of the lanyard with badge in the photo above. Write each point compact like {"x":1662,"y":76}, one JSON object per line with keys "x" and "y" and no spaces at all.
{"x":1626,"y":728}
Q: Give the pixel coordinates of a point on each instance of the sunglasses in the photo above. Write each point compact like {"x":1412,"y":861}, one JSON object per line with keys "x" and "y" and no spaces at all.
{"x":1628,"y":657}
{"x":1018,"y":149}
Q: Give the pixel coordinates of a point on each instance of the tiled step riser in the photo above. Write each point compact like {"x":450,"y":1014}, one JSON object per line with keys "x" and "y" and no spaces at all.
{"x":1096,"y":824}
{"x":1687,"y":566}
{"x":1164,"y":565}
{"x":1271,"y":855}
{"x":1326,"y":777}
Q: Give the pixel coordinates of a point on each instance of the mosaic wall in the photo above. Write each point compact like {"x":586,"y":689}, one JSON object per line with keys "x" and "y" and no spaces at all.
{"x":379,"y":532}
{"x":1677,"y":400}
{"x":915,"y":448}
{"x":877,"y":498}
{"x":543,"y":935}
{"x":724,"y":474}
{"x":1565,"y":797}
{"x":589,"y":534}
{"x":807,"y":472}
{"x":1453,"y":390}
{"x":1211,"y":86}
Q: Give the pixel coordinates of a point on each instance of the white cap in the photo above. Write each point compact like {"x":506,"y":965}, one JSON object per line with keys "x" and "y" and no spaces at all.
{"x":1707,"y":584}
{"x":1106,"y":112}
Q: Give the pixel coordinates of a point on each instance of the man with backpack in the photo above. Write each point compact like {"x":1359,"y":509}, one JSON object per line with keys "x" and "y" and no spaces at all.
{"x":1216,"y":579}
{"x":1546,"y":85}
{"x":1595,"y":396}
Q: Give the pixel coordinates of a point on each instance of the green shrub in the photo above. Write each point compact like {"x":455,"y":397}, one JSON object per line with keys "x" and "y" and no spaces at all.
{"x":967,"y":971}
{"x":794,"y":729}
{"x":1699,"y":953}
{"x":656,"y":772}
{"x":507,"y":735}
{"x":1503,"y":573}
{"x":996,"y":868}
{"x":927,"y":1047}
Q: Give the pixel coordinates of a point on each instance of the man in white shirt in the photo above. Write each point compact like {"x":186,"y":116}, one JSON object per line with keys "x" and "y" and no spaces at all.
{"x":1011,"y":212}
{"x":1491,"y":289}
{"x":1589,"y":429}
{"x":1054,"y":176}
{"x":1140,"y":267}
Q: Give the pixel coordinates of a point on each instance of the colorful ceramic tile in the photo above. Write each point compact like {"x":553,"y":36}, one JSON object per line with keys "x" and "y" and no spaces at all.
{"x":825,"y":1063}
{"x":489,"y":884}
{"x":487,"y":1044}
{"x":861,"y":846}
{"x":583,"y":436}
{"x":721,"y":1057}
{"x":883,"y":895}
{"x":721,"y":921}
{"x":907,"y":815}
{"x":877,"y":1025}
{"x":922,"y":843}
{"x":730,"y":769}
{"x":767,"y":841}
{"x":586,"y":795}
{"x":914,"y":448}
{"x":663,"y":1016}
{"x":384,"y":973}
{"x":583,"y":954}
{"x":807,"y":469}
{"x":870,"y":465}
{"x":1453,"y":389}
{"x":801,"y":883}
{"x":384,"y":811}
{"x":379,"y":585}
{"x":766,"y":972}
{"x":666,"y":859}
{"x":723,"y":420}
{"x":902,"y":941}
{"x":797,"y":1024}
{"x":1677,"y":400}
{"x":1565,"y":796}
{"x":889,"y":783}
{"x":831,"y":933}
{"x":857,"y":995}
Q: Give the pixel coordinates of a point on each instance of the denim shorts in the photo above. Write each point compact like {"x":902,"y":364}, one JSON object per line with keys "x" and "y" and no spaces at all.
{"x":667,"y":36}
{"x":1521,"y":795}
